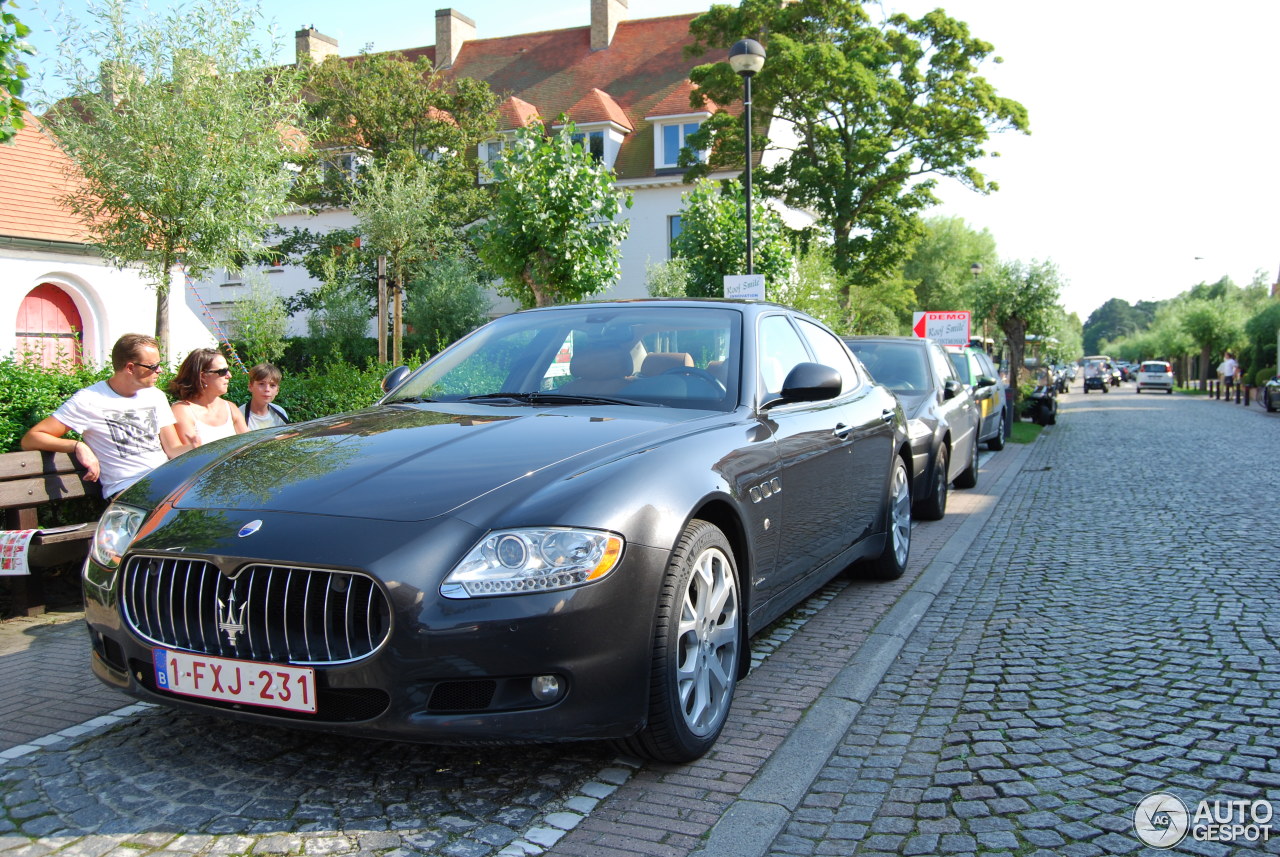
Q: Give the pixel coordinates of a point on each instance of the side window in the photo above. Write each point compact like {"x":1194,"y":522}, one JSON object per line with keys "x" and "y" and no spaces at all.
{"x":780,"y":350}
{"x":941,"y":365}
{"x":831,"y":352}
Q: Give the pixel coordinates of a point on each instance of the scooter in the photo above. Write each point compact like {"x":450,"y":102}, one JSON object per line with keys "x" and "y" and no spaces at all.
{"x":1042,"y":406}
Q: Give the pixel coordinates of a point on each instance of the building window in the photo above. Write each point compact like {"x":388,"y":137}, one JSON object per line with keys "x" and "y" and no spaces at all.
{"x":673,"y":140}
{"x":490,"y":154}
{"x":593,"y":143}
{"x":673,"y":230}
{"x":344,"y":166}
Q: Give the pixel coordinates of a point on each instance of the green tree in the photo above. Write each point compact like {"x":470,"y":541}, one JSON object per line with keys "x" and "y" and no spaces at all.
{"x":398,"y":209}
{"x":446,"y":301}
{"x":939,"y":267}
{"x":813,"y":287}
{"x":1215,"y":325}
{"x":183,"y":143}
{"x":13,"y":71}
{"x":1021,"y":298}
{"x":259,"y":322}
{"x":713,"y":238}
{"x":385,"y":106}
{"x":553,"y":235}
{"x":1112,"y":320}
{"x":881,"y":111}
{"x":667,"y":279}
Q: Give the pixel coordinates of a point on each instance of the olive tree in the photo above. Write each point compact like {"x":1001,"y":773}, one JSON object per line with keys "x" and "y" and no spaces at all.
{"x":180,"y":137}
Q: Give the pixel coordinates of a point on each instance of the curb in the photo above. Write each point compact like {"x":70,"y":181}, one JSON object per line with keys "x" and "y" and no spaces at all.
{"x":765,"y":806}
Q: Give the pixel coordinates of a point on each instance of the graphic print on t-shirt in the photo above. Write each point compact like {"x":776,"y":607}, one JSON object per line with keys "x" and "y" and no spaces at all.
{"x":135,"y":431}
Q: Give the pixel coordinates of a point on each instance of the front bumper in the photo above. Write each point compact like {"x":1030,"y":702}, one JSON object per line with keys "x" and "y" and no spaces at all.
{"x":449,"y":671}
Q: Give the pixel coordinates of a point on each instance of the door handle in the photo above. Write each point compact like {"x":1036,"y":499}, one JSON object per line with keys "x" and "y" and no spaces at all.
{"x":842,"y":430}
{"x":886,"y":416}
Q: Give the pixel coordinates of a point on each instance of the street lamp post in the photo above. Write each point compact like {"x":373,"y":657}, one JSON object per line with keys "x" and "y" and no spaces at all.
{"x":747,"y":57}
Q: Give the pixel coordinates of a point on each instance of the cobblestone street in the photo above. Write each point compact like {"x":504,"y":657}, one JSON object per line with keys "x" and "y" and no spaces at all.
{"x":1095,"y":622}
{"x":1113,"y":634}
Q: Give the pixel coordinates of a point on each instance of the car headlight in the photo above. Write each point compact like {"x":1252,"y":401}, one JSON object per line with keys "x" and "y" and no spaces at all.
{"x":513,"y":562}
{"x":116,"y":529}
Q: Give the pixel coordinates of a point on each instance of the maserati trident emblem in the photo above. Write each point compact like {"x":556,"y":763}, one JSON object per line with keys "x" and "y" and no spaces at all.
{"x":231,"y":619}
{"x":249,"y":529}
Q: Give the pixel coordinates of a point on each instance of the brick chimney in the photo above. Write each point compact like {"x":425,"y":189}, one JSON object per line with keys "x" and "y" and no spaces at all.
{"x":311,"y":45}
{"x":453,"y":30}
{"x":605,"y":15}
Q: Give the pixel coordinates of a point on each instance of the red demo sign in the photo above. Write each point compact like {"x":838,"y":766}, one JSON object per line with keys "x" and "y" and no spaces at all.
{"x":945,"y":328}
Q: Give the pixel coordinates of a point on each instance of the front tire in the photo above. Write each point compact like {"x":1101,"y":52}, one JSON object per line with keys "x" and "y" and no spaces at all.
{"x":697,"y":644}
{"x":892,"y":562}
{"x":934,"y":505}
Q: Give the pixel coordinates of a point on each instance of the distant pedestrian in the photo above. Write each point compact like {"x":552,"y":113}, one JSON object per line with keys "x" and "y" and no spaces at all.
{"x":1228,"y":369}
{"x":126,"y":423}
{"x":202,"y":414}
{"x":261,"y":411}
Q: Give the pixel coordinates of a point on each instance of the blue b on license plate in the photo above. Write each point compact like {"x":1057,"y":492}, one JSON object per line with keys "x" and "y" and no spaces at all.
{"x":245,"y":682}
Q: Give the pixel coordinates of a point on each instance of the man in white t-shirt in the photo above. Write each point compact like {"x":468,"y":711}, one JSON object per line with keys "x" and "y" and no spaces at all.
{"x":126,"y":423}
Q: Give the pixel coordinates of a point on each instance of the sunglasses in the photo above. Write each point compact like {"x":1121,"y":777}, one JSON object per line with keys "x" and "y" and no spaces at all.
{"x":154,"y":367}
{"x":224,"y":371}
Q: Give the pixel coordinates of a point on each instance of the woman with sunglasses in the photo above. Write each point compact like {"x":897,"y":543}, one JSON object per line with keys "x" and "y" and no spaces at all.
{"x":202,"y":414}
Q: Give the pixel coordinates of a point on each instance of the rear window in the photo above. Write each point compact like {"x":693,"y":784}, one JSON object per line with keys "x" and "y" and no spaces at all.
{"x":1155,"y":367}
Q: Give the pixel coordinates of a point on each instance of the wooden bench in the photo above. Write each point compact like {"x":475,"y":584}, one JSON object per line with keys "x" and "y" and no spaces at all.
{"x":29,"y":480}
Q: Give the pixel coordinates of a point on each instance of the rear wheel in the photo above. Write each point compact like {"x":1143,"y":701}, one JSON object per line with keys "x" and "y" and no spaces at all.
{"x":969,"y":478}
{"x":892,"y":561}
{"x":697,"y":643}
{"x":934,"y":504}
{"x":996,"y":443}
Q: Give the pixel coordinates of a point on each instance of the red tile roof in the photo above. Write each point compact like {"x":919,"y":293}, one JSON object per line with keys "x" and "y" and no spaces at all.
{"x":516,"y":113}
{"x":32,"y":178}
{"x":597,"y":106}
{"x":643,"y":72}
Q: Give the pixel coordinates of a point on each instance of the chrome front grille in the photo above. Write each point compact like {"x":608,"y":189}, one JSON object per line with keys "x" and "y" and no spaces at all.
{"x":269,"y":613}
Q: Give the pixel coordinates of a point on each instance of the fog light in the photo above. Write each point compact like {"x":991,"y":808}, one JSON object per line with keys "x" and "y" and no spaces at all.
{"x":546,"y":688}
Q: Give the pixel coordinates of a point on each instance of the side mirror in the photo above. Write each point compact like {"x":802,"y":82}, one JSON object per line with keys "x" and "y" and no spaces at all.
{"x":810,"y":382}
{"x":395,"y":378}
{"x":986,"y":381}
{"x":951,"y":388}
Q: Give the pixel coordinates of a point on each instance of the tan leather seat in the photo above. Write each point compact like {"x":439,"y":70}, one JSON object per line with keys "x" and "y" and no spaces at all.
{"x":661,"y":361}
{"x":719,"y":370}
{"x":598,"y":370}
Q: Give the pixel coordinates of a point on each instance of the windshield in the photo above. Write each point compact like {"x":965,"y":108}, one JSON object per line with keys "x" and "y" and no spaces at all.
{"x":900,"y":366}
{"x":671,"y":356}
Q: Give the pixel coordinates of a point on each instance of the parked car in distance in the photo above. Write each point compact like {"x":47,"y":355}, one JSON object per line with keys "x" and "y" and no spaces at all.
{"x":1155,"y":375}
{"x":942,"y":416}
{"x":500,"y":550}
{"x":976,"y":369}
{"x":1271,"y":394}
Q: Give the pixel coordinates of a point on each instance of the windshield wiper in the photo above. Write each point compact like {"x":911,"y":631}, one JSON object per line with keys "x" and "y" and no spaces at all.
{"x":540,"y":397}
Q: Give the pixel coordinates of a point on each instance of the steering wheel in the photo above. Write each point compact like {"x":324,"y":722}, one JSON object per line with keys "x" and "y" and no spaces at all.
{"x":700,"y":374}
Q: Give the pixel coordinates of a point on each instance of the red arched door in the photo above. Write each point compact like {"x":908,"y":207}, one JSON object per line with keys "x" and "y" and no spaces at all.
{"x":49,"y":328}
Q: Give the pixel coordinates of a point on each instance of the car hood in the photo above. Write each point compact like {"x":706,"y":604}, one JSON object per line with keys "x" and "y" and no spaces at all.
{"x":410,"y":463}
{"x":913,"y":403}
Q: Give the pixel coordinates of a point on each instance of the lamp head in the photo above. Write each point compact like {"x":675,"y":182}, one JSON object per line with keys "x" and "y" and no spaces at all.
{"x":747,"y":57}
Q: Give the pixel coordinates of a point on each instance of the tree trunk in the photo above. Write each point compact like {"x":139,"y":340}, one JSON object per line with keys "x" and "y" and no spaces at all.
{"x":1204,"y":367}
{"x":162,"y":315}
{"x":1015,"y":332}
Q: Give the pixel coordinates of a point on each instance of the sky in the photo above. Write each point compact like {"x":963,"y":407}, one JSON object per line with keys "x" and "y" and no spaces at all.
{"x":1152,"y":161}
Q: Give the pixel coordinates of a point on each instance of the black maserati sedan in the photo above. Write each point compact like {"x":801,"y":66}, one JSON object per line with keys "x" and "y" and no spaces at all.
{"x":564,"y":526}
{"x":943,"y":418}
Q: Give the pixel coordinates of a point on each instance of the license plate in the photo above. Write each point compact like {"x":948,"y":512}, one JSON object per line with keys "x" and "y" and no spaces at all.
{"x":246,"y":682}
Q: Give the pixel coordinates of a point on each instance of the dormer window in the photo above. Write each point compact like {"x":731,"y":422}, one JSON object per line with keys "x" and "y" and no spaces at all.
{"x":489,"y":154}
{"x":345,"y":166}
{"x":593,"y":142}
{"x":673,"y":138}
